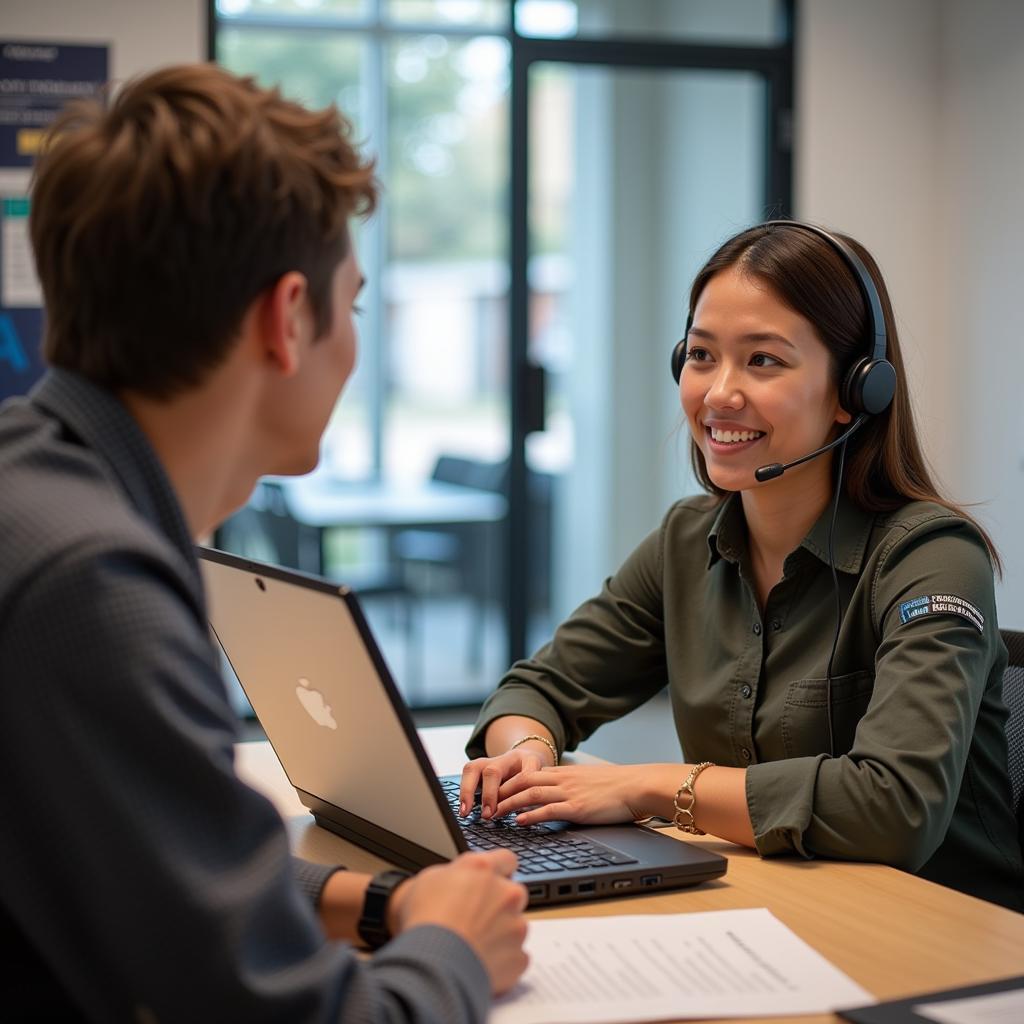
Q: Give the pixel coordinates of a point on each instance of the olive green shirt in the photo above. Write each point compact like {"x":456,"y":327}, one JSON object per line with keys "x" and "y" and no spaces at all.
{"x":919,"y":779}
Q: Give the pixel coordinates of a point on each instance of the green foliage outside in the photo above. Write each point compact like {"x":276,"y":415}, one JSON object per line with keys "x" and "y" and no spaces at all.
{"x":446,"y":162}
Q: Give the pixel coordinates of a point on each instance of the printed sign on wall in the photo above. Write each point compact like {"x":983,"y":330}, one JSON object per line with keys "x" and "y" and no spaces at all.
{"x":36,"y":81}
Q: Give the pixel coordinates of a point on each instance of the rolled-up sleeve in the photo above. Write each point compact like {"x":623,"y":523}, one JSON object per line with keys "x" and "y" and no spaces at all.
{"x":892,"y":796}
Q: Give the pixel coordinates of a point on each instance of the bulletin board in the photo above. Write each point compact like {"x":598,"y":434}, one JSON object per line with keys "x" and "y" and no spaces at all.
{"x":36,"y":81}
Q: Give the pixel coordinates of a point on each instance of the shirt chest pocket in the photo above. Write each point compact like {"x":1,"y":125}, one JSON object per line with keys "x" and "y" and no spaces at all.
{"x":804,"y":714}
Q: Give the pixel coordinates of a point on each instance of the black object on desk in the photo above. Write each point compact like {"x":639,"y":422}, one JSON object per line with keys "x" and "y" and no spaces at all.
{"x":901,"y":1011}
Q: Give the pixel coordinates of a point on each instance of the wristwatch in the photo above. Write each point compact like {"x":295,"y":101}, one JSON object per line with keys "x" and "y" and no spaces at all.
{"x":373,"y":925}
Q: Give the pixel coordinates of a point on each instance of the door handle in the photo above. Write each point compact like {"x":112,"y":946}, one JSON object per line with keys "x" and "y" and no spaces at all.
{"x":534,"y":392}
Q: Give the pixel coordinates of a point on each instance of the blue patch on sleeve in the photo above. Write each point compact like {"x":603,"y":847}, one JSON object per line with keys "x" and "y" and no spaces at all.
{"x":942,"y":604}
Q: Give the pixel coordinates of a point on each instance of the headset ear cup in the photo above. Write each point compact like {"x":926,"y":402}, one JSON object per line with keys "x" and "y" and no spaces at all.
{"x":877,"y":386}
{"x":849,"y":392}
{"x":678,"y":359}
{"x":869,"y":387}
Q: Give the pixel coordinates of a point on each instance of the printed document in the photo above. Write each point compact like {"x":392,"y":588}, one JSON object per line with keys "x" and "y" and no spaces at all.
{"x":649,"y":967}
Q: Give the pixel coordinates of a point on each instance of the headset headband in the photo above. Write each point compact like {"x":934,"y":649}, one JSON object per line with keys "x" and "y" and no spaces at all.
{"x":866,"y":283}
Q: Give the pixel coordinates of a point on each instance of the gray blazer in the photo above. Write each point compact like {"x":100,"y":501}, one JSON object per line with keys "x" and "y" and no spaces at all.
{"x":139,"y":878}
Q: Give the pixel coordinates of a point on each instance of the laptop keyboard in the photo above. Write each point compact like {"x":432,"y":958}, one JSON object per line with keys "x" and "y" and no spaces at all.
{"x":538,"y":847}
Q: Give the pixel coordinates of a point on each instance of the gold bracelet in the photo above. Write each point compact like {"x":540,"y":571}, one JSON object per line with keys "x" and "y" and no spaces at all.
{"x":683,"y":818}
{"x":547,"y":743}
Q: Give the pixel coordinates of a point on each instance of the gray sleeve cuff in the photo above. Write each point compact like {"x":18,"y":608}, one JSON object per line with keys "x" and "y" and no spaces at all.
{"x":311,"y":878}
{"x":434,"y":960}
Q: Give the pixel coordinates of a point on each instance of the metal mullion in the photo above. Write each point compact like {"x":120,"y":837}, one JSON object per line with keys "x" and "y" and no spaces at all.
{"x":778,"y":149}
{"x":412,"y":28}
{"x":378,"y":104}
{"x":517,"y":563}
{"x":634,"y":53}
{"x":283,"y":23}
{"x":376,"y":22}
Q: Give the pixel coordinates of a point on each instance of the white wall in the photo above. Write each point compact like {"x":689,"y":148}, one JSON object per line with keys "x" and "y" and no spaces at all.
{"x":981,"y":222}
{"x":142,"y":34}
{"x":909,"y":138}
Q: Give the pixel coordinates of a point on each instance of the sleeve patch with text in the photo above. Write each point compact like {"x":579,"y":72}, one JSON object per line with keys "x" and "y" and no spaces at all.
{"x":942,"y":604}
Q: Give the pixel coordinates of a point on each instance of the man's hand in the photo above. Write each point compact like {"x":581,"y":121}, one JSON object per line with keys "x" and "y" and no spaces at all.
{"x":475,"y":898}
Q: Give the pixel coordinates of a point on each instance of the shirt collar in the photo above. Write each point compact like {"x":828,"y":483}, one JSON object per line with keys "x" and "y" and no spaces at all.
{"x":728,"y":535}
{"x":105,"y":425}
{"x":853,"y":530}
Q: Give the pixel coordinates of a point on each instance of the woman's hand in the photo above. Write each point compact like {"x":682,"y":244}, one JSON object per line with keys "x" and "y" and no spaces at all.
{"x":488,"y":773}
{"x":592,"y":794}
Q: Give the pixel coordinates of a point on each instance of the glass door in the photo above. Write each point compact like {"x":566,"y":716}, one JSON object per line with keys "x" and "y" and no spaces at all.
{"x":634,"y":176}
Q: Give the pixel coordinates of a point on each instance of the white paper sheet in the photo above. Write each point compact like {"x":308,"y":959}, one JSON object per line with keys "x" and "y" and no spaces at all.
{"x":728,"y":963}
{"x":998,"y":1008}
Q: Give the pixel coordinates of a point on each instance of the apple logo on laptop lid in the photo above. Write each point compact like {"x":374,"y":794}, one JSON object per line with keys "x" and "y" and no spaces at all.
{"x":316,"y":707}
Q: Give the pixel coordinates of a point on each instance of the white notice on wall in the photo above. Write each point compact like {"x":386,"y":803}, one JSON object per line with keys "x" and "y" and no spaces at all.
{"x":19,"y":285}
{"x":728,"y":963}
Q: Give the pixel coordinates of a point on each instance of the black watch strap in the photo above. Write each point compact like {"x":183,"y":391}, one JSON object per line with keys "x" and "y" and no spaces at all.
{"x":373,"y":925}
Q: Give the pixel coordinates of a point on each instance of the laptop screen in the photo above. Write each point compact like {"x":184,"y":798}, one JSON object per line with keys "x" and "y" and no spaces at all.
{"x":319,"y":686}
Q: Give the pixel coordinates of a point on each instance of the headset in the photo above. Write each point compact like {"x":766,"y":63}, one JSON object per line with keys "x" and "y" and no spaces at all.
{"x":869,"y":385}
{"x":866,"y":390}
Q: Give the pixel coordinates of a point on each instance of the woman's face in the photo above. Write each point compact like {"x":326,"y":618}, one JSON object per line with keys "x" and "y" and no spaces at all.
{"x":756,"y":387}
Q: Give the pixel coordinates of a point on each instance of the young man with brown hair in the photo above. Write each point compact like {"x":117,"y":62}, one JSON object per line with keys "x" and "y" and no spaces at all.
{"x":199,"y":276}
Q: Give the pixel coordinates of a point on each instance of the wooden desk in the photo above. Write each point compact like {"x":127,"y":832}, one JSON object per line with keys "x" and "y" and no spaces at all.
{"x":893,"y":933}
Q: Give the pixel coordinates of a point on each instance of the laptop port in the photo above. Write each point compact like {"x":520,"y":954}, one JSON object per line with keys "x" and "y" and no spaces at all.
{"x":622,"y":883}
{"x":586,"y":887}
{"x":537,"y":892}
{"x":650,"y":879}
{"x":564,"y":890}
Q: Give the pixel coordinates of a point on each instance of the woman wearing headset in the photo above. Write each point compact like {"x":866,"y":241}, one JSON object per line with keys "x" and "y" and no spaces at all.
{"x":827,"y":634}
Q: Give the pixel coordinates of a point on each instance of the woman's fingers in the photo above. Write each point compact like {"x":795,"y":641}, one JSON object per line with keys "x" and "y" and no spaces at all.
{"x":488,"y":774}
{"x":581,"y":793}
{"x":490,"y":780}
{"x":529,"y":797}
{"x":559,"y":811}
{"x":469,"y":784}
{"x":528,"y":789}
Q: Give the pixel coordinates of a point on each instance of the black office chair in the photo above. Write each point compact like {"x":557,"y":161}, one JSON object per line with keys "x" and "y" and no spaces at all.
{"x":1013,"y":698}
{"x":460,"y":558}
{"x":469,"y":558}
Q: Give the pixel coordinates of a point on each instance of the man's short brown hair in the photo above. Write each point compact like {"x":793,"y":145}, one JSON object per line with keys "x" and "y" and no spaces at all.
{"x":158,"y":222}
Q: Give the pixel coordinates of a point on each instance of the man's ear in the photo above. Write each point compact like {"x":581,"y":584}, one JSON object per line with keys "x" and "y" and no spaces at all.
{"x":286,"y":321}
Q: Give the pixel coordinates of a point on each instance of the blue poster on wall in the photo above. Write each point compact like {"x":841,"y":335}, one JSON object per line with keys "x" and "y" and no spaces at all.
{"x":36,"y":81}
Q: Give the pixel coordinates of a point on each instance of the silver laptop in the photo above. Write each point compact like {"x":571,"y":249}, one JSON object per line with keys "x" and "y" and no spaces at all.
{"x":304,"y":654}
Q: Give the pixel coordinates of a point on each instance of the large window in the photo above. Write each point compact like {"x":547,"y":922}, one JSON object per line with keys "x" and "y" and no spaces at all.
{"x":554,"y":172}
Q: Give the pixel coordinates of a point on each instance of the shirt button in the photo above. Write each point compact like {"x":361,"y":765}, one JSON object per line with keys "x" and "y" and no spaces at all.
{"x":757,"y":629}
{"x":776,"y":625}
{"x":744,"y":753}
{"x":745,"y":691}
